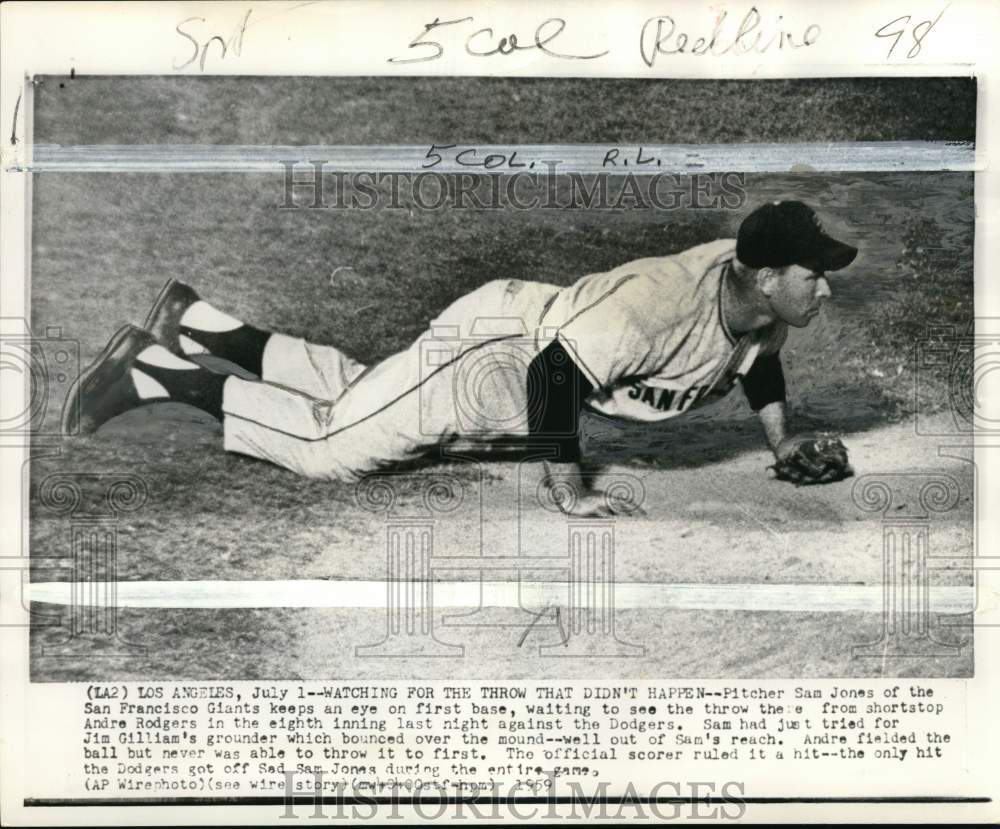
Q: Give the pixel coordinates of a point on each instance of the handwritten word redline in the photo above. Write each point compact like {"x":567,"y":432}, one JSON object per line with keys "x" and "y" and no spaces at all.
{"x":724,"y":34}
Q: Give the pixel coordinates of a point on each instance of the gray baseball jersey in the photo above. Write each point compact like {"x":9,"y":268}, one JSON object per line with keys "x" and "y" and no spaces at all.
{"x":649,"y":335}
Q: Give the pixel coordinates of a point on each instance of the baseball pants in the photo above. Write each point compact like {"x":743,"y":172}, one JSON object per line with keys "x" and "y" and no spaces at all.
{"x":322,"y":414}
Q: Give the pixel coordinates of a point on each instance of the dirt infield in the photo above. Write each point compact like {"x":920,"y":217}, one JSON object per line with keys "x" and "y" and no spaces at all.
{"x":721,"y":522}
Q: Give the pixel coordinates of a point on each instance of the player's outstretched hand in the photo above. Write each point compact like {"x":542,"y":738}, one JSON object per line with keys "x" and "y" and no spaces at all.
{"x":598,"y":504}
{"x":569,"y":487}
{"x":818,"y":459}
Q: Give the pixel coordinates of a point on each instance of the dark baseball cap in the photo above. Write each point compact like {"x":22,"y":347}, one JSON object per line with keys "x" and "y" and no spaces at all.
{"x":782,"y":233}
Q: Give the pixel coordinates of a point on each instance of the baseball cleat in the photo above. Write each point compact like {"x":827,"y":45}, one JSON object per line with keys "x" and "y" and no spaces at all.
{"x":105,"y":389}
{"x":164,"y":318}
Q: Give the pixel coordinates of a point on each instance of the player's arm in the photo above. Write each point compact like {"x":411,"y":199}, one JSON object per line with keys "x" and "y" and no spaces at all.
{"x":764,"y":386}
{"x":803,"y":459}
{"x":772,"y":418}
{"x":604,"y":337}
{"x":557,"y":389}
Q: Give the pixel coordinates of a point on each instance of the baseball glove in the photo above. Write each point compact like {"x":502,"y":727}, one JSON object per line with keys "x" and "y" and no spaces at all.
{"x":812,"y":460}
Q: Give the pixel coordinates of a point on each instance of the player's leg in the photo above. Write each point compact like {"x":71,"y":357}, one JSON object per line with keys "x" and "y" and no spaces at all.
{"x":377,"y":422}
{"x":132,"y":371}
{"x":392,"y":413}
{"x":316,"y":438}
{"x":271,"y":422}
{"x":189,"y":326}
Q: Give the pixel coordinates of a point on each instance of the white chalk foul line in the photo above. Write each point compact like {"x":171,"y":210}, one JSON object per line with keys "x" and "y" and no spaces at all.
{"x":787,"y":598}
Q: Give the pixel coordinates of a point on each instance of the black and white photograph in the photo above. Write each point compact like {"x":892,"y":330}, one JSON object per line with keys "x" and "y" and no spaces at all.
{"x":396,"y":405}
{"x":493,"y":411}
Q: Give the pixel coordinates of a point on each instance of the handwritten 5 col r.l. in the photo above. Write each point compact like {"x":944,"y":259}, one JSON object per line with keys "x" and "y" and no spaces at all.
{"x":483,"y":42}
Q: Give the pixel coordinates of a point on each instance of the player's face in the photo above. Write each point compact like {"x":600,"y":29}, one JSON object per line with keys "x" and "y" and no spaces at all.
{"x":797,"y":293}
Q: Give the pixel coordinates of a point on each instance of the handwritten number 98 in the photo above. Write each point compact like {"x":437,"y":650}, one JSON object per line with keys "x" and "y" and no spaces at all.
{"x":918,"y":32}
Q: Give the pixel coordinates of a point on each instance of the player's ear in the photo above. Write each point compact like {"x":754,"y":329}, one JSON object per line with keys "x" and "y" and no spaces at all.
{"x":767,"y":280}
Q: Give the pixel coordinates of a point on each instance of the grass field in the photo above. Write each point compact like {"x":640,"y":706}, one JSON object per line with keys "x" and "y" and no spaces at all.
{"x":370,"y":281}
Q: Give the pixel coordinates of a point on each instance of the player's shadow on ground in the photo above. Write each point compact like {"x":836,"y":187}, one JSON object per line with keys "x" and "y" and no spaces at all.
{"x":700,"y":442}
{"x":679,"y":445}
{"x":682,"y":444}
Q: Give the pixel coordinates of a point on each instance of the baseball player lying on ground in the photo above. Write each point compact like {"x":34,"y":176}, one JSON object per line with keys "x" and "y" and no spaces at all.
{"x":646,"y":341}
